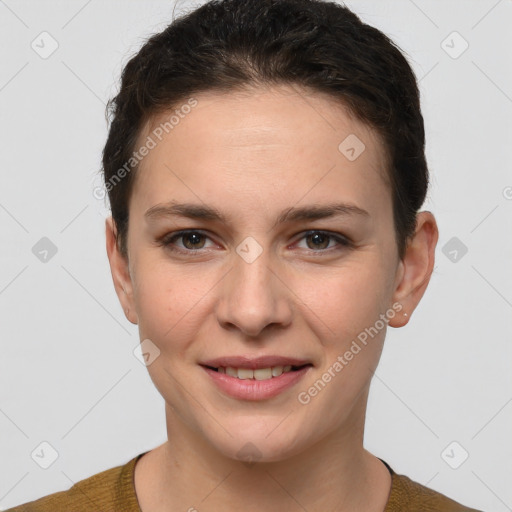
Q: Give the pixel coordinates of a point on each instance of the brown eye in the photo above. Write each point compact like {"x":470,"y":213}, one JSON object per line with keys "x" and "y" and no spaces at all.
{"x":192,"y":240}
{"x":319,"y":241}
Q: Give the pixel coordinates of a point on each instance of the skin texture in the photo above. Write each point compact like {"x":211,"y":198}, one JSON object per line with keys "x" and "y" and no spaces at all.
{"x":253,"y":155}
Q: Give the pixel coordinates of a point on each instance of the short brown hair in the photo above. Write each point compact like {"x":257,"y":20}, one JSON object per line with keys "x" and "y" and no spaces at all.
{"x":226,"y":45}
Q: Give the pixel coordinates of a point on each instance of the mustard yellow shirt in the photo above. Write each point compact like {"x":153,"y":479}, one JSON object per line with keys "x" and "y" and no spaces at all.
{"x":113,"y":490}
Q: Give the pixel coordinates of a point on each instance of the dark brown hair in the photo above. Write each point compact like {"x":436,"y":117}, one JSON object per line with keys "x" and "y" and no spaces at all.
{"x":226,"y":45}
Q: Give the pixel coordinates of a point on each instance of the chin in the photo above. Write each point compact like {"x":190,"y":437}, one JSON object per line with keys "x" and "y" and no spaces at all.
{"x":259,"y":443}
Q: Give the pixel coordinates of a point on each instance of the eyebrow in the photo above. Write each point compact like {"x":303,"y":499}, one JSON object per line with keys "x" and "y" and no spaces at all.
{"x":293,"y":214}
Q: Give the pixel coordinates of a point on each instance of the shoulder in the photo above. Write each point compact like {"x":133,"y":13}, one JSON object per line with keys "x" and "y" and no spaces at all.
{"x":109,"y":490}
{"x":410,"y":496}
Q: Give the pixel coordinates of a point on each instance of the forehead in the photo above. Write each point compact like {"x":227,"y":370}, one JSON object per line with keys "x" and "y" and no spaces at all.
{"x":286,"y":136}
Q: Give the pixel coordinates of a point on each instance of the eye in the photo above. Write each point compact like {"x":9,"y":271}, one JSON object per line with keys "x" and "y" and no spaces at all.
{"x":192,"y":241}
{"x":318,"y":241}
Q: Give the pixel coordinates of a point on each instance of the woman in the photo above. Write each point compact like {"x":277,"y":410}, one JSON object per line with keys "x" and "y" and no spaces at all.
{"x":265,"y":168}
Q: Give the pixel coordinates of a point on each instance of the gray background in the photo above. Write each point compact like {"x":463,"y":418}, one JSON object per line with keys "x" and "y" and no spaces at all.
{"x":69,"y":376}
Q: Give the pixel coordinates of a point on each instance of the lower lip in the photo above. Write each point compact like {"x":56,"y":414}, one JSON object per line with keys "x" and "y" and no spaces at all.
{"x":252,"y":389}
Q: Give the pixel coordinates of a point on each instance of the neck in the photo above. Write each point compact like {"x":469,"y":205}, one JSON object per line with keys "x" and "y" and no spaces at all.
{"x":187,"y":473}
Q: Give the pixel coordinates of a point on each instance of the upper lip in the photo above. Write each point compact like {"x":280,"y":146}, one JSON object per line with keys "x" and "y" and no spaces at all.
{"x":254,"y":362}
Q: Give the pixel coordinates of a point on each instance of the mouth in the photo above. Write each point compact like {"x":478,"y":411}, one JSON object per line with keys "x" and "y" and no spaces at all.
{"x":261,"y":373}
{"x":255,"y":378}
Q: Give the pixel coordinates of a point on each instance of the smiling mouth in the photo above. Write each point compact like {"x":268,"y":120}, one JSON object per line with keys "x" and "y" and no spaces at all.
{"x":257,"y":373}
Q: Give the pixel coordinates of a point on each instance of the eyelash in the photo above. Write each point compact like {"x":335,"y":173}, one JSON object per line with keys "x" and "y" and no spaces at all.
{"x":168,"y":240}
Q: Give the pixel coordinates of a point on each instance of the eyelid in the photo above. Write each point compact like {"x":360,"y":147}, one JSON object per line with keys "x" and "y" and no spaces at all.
{"x":342,"y":241}
{"x":333,"y":234}
{"x":167,"y":239}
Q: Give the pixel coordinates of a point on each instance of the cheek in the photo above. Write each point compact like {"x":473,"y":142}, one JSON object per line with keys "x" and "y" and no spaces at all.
{"x":344,"y":312}
{"x":162,"y":297}
{"x":172,"y":304}
{"x":345,"y":300}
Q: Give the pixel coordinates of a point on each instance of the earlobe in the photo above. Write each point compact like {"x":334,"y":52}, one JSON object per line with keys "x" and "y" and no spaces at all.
{"x":415,"y":268}
{"x":120,"y":272}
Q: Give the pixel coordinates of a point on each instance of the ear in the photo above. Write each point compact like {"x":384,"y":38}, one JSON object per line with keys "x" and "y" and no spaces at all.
{"x":415,"y":269}
{"x":119,"y":268}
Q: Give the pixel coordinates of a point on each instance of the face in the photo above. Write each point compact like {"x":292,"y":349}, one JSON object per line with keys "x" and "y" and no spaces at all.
{"x":257,"y":242}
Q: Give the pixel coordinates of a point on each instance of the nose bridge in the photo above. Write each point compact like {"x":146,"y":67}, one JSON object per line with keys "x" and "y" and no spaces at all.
{"x":253,"y":298}
{"x":253,"y":267}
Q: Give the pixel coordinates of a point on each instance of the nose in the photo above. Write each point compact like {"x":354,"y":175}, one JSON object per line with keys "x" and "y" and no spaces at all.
{"x":254,"y":297}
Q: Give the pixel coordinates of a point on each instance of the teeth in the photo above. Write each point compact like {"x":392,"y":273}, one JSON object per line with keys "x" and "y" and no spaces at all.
{"x":258,"y":374}
{"x":276,"y":371}
{"x":261,"y":373}
{"x":245,"y":373}
{"x":232,"y":372}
